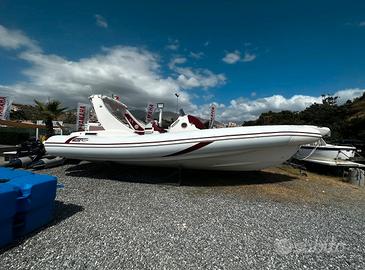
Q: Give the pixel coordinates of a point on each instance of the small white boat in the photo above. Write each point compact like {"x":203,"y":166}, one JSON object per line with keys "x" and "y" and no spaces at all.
{"x":324,"y":153}
{"x":184,"y":144}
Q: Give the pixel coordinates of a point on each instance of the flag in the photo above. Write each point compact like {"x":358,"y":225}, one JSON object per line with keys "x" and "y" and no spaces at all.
{"x":5,"y":108}
{"x":212,"y":115}
{"x":149,"y":112}
{"x":83,"y":111}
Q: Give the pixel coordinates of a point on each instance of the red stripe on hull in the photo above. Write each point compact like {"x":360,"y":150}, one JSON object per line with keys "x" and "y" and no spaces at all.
{"x":70,"y":139}
{"x":190,"y":149}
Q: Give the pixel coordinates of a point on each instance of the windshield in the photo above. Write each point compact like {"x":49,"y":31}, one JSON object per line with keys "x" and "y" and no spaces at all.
{"x":116,"y":108}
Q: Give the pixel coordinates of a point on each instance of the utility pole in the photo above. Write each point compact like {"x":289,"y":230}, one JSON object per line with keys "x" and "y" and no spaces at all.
{"x":177,"y":102}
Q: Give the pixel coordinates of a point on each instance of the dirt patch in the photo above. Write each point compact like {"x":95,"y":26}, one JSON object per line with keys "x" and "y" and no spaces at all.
{"x":309,"y":188}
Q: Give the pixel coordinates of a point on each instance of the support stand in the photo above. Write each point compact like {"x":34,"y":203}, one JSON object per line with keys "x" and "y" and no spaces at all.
{"x":179,"y":176}
{"x":177,"y":173}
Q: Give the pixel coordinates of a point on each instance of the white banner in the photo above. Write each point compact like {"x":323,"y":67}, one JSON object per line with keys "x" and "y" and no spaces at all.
{"x":149,"y":112}
{"x":5,"y":108}
{"x":212,"y":115}
{"x":83,"y":111}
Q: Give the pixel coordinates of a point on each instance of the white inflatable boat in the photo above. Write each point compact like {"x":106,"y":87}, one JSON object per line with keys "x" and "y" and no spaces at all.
{"x":184,"y":144}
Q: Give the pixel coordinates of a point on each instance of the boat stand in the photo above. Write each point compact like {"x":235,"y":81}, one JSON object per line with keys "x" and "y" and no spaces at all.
{"x":302,"y":169}
{"x":179,"y":179}
{"x":177,"y":173}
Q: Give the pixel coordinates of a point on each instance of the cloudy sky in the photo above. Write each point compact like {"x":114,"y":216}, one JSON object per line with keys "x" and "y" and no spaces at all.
{"x":246,"y":56}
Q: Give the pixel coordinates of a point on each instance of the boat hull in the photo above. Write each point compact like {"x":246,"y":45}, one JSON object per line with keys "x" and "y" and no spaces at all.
{"x":233,"y":149}
{"x":326,"y":153}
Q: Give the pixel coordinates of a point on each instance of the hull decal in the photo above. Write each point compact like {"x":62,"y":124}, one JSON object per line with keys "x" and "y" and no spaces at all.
{"x":190,"y":149}
{"x":70,"y":139}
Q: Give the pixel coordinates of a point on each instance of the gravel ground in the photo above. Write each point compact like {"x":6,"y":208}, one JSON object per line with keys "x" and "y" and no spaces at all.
{"x":112,"y":217}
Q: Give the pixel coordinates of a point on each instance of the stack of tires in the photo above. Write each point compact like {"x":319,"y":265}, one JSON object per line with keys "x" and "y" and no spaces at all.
{"x":26,"y":202}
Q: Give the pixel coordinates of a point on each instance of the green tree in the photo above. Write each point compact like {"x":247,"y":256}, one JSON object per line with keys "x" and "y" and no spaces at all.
{"x":50,"y":111}
{"x":69,"y":117}
{"x":276,"y":118}
{"x":18,"y":115}
{"x":327,"y":114}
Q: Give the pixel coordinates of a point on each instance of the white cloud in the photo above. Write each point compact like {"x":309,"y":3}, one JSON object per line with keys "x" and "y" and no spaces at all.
{"x":348,"y":94}
{"x":176,"y":61}
{"x":133,"y":73}
{"x":234,"y":57}
{"x":206,"y":43}
{"x":208,"y":97}
{"x":196,"y":55}
{"x":173,"y":45}
{"x":362,"y":24}
{"x":253,"y":94}
{"x":14,"y":39}
{"x":188,"y":77}
{"x":248,"y":57}
{"x":101,"y":21}
{"x":204,"y":78}
{"x":243,"y":109}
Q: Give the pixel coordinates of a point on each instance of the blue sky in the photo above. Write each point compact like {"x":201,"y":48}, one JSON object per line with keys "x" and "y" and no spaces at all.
{"x":247,"y":56}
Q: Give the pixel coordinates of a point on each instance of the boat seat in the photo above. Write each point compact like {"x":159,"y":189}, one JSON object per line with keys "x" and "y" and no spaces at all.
{"x":156,"y":127}
{"x":196,"y":122}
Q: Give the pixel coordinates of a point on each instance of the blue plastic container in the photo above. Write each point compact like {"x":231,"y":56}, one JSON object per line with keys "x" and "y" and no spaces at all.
{"x":7,"y":211}
{"x":26,"y":222}
{"x":35,"y":201}
{"x":34,"y":191}
{"x":8,"y":173}
{"x":26,"y":202}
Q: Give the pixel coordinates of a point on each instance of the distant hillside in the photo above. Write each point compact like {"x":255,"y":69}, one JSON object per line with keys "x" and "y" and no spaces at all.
{"x":24,"y":112}
{"x":346,"y":121}
{"x":357,"y":108}
{"x":355,"y":120}
{"x":30,"y":112}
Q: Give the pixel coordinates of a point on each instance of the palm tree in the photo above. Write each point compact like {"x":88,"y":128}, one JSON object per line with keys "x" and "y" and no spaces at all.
{"x":50,"y":111}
